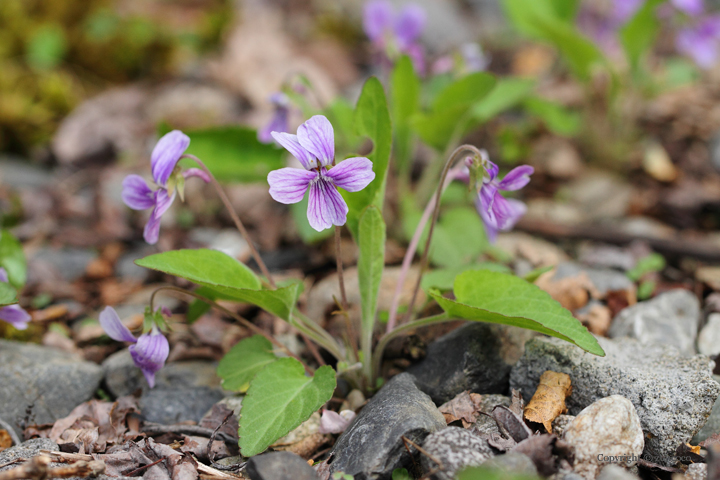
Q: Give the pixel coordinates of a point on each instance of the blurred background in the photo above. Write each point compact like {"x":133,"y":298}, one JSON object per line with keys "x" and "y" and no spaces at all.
{"x":615,"y":104}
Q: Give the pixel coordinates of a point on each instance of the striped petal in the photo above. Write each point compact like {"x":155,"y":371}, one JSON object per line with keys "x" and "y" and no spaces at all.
{"x":317,"y":137}
{"x":288,"y":185}
{"x":352,"y":174}
{"x":110,"y":322}
{"x":325,"y":205}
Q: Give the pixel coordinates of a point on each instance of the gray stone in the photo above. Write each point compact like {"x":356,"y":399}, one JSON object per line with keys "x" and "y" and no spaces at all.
{"x":279,"y":466}
{"x":455,"y":448}
{"x":17,"y":172}
{"x":671,"y":318}
{"x":122,"y":377}
{"x":475,"y":357}
{"x":609,"y":427}
{"x":615,"y":472}
{"x":514,"y":463}
{"x":68,"y":264}
{"x":696,"y":471}
{"x":708,"y":341}
{"x":712,"y":426}
{"x":167,"y":405}
{"x":486,"y":425}
{"x":372,"y":447}
{"x":604,"y":279}
{"x":673,"y":394}
{"x":52,"y":381}
{"x":126,"y":268}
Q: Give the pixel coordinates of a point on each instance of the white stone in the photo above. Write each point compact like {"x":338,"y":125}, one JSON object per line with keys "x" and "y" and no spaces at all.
{"x":610,"y":427}
{"x":708,"y":342}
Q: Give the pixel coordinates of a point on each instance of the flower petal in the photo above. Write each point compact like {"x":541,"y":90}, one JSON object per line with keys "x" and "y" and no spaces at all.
{"x":162,"y":203}
{"x":279,"y":121}
{"x":3,"y":275}
{"x":700,"y":42}
{"x":151,"y":232}
{"x":409,"y":25}
{"x":417,"y":55}
{"x":517,"y":178}
{"x":491,"y":230}
{"x":196,"y":172}
{"x":352,"y":174}
{"x":136,"y":194}
{"x":16,"y":316}
{"x":690,"y":7}
{"x":333,"y":422}
{"x":317,"y":137}
{"x":292,"y":145}
{"x":166,"y":154}
{"x":491,"y":170}
{"x":110,"y":322}
{"x":150,"y":353}
{"x":325,"y":205}
{"x":377,"y":19}
{"x":288,"y":185}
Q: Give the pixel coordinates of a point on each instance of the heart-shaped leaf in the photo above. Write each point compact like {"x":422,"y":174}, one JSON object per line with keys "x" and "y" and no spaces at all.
{"x":243,"y":361}
{"x":494,"y":297}
{"x":279,"y":399}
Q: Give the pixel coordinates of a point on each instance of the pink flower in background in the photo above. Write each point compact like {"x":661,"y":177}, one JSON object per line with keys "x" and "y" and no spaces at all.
{"x":701,"y":42}
{"x":394,"y":33}
{"x":13,"y":314}
{"x":148,"y":352}
{"x":497,"y":212}
{"x":314,"y":147}
{"x":139,"y":196}
{"x":279,"y":120}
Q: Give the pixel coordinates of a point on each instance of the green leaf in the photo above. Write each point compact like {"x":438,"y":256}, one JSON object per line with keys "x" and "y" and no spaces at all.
{"x":486,"y":473}
{"x":372,"y":119}
{"x":12,"y":259}
{"x":449,"y":108}
{"x":638,"y":35}
{"x":653,"y":262}
{"x":557,"y":118}
{"x":8,"y":295}
{"x":371,"y":261}
{"x":234,"y":154}
{"x":506,"y":299}
{"x":443,"y":279}
{"x":507,"y":93}
{"x":226,"y":276}
{"x":205,"y":267}
{"x":46,"y":47}
{"x":401,"y":474}
{"x":243,"y":361}
{"x":279,"y":399}
{"x":405,"y":88}
{"x":534,"y":274}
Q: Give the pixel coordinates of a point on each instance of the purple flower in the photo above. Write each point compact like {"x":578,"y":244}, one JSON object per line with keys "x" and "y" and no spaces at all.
{"x":279,"y":120}
{"x":13,"y":314}
{"x":701,"y":41}
{"x":314,"y":147}
{"x":139,"y":196}
{"x":690,"y":7}
{"x":149,"y":352}
{"x":497,"y":212}
{"x":396,"y":34}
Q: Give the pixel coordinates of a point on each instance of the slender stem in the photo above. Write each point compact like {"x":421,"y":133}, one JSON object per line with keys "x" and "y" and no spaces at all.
{"x":385,"y":339}
{"x":412,"y":248}
{"x":315,"y":331}
{"x":456,"y":154}
{"x":234,"y":315}
{"x":344,"y":306}
{"x":238,"y":224}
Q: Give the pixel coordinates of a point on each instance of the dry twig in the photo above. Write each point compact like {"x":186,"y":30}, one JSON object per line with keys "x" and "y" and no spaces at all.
{"x":38,"y":468}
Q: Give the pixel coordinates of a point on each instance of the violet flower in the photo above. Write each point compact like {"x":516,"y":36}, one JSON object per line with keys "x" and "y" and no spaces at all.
{"x":279,"y":120}
{"x":13,"y":314}
{"x":396,"y":34}
{"x":314,"y":147}
{"x":701,"y":42}
{"x":149,"y":351}
{"x":167,"y":176}
{"x":497,"y":212}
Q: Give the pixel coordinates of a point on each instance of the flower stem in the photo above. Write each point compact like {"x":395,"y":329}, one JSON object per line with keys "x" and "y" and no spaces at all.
{"x":246,"y":323}
{"x":344,"y":306}
{"x":238,"y":224}
{"x":431,"y":207}
{"x":385,"y":339}
{"x":456,"y":154}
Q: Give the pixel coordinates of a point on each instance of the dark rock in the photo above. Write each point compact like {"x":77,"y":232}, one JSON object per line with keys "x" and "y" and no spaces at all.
{"x":475,"y":357}
{"x":372,"y":447}
{"x":279,"y":466}
{"x":173,"y":405}
{"x":671,"y":318}
{"x":513,"y":463}
{"x":51,"y":381}
{"x":455,"y":448}
{"x":673,"y":394}
{"x":122,"y":377}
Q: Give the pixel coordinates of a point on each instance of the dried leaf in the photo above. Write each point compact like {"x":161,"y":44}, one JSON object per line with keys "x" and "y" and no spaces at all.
{"x":465,"y":407}
{"x":549,"y":399}
{"x":713,"y":439}
{"x":511,"y":423}
{"x":685,"y":450}
{"x":540,"y":450}
{"x":573,"y":292}
{"x":5,"y":440}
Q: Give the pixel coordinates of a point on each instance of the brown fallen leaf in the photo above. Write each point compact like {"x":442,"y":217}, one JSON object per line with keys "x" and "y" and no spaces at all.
{"x":597,"y":319}
{"x":5,"y":440}
{"x":549,"y":399}
{"x":465,"y":407}
{"x":573,"y":292}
